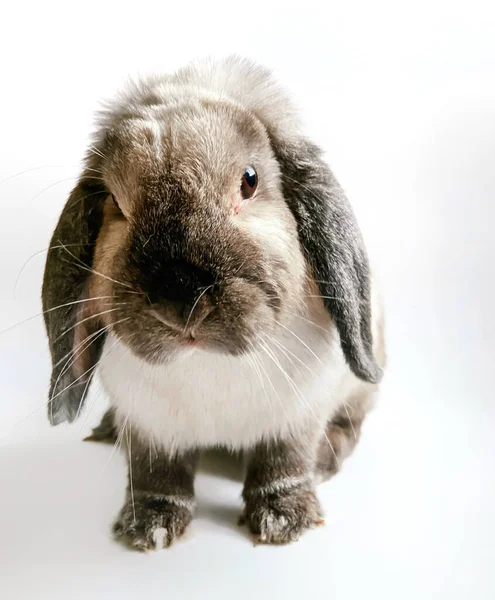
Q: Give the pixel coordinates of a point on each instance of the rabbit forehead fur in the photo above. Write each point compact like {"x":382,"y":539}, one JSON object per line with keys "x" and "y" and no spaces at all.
{"x":232,"y":80}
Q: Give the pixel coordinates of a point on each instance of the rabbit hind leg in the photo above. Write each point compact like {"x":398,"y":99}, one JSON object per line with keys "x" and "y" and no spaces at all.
{"x":106,"y":431}
{"x":342,"y":433}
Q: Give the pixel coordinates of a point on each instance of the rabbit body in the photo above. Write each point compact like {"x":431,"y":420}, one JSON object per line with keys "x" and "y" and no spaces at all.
{"x":209,"y":264}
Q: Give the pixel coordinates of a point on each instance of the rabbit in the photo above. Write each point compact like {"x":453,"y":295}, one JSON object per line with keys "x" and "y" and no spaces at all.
{"x":209,"y":264}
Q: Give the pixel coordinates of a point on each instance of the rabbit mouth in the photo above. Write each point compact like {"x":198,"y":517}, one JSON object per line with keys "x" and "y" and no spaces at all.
{"x":157,"y":335}
{"x":187,"y":338}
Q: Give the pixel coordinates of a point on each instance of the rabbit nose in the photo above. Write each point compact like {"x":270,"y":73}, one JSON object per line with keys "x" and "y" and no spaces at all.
{"x":184,"y":317}
{"x":180,"y":291}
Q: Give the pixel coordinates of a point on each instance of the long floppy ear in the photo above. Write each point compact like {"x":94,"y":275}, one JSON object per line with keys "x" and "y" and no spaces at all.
{"x":334,"y":249}
{"x":75,"y":347}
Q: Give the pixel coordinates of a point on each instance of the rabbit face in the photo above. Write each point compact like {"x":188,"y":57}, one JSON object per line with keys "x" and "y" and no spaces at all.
{"x":197,"y":244}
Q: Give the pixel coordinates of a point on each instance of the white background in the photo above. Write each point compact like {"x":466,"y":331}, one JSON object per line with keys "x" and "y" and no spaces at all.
{"x":402,"y":98}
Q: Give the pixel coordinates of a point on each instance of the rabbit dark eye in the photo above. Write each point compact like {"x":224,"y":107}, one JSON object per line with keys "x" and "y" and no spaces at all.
{"x":249,"y":182}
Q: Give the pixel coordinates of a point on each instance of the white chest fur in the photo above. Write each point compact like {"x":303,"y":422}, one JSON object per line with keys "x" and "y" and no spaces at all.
{"x":208,"y":399}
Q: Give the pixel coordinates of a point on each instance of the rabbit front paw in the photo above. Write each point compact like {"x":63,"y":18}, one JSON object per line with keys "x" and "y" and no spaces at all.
{"x":153,"y":521}
{"x":282,"y":518}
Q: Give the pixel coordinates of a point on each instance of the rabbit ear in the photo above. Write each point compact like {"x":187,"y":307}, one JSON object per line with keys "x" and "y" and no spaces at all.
{"x":334,"y":249}
{"x":75,"y":347}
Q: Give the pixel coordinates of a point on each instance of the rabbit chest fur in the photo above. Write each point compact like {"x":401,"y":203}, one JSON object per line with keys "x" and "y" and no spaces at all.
{"x":207,"y":399}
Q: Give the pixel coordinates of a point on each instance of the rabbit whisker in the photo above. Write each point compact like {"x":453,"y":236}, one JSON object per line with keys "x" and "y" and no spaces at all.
{"x":309,"y":321}
{"x":41,"y":252}
{"x":99,"y":171}
{"x":195,"y":304}
{"x":20,"y":173}
{"x":252,"y":359}
{"x":44,"y":312}
{"x":98,"y":152}
{"x":302,"y":341}
{"x":71,"y":353}
{"x":301,"y":398}
{"x":350,"y":421}
{"x":80,"y":199}
{"x":90,"y":408}
{"x":104,"y":312}
{"x":91,"y":177}
{"x":52,"y":185}
{"x":74,"y":302}
{"x":129,"y":449}
{"x":87,"y":268}
{"x":289,"y":380}
{"x":261,"y":366}
{"x":117,"y":443}
{"x":120,"y":436}
{"x":285,"y":350}
{"x":269,"y":352}
{"x":83,"y":396}
{"x":152,"y":397}
{"x":73,"y":357}
{"x":254,"y":362}
{"x":49,"y":401}
{"x":76,"y":380}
